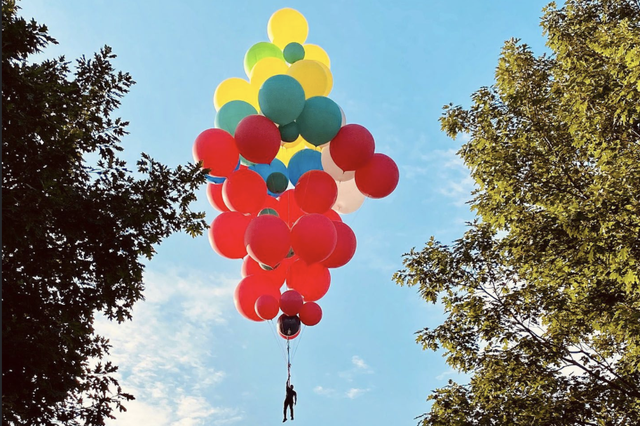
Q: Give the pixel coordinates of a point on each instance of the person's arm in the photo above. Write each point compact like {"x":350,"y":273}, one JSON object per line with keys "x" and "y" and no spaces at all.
{"x":295,"y":397}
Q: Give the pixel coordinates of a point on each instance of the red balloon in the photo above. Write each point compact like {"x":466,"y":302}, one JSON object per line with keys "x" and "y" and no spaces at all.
{"x":352,"y":147}
{"x":226,"y":234}
{"x":289,"y":337}
{"x":268,"y":239}
{"x":316,"y":191}
{"x":249,"y":290}
{"x":310,"y":313}
{"x":290,"y":302}
{"x":217,"y":150}
{"x":244,"y":191}
{"x":311,"y":281}
{"x":313,"y":237}
{"x":267,"y":307}
{"x":345,"y":246}
{"x":379,"y":177}
{"x":214,"y":195}
{"x":270,"y":203}
{"x":288,"y":326}
{"x":258,"y":139}
{"x":333,"y":215}
{"x":288,"y":208}
{"x":277,"y":275}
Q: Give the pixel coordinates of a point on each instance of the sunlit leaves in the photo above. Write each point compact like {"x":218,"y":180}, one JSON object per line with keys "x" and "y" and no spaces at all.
{"x":542,"y":294}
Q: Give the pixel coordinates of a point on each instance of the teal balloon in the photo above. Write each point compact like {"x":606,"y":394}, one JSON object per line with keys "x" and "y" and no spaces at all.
{"x":289,"y":132}
{"x":320,"y":120}
{"x":231,"y":114}
{"x":277,"y":183}
{"x":281,"y":99}
{"x":293,"y":52}
{"x":303,"y":161}
{"x":268,"y":211}
{"x":246,"y":162}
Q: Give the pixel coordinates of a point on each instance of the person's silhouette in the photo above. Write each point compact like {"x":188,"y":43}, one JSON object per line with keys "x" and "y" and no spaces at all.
{"x":289,"y":401}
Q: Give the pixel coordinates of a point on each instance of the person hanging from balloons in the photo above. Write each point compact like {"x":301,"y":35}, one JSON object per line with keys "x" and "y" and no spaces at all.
{"x":289,"y":401}
{"x":283,"y":165}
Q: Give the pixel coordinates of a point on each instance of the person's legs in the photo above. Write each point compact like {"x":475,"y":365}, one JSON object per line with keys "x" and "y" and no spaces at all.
{"x":291,"y":408}
{"x":284,"y":412}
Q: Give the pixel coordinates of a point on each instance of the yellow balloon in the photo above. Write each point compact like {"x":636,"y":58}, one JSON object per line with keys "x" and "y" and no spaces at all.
{"x":329,"y":78}
{"x":316,"y":53}
{"x":293,"y":144}
{"x":235,"y":89}
{"x":287,"y":25}
{"x":312,"y":77}
{"x":285,"y":153}
{"x":265,"y":68}
{"x":309,"y":145}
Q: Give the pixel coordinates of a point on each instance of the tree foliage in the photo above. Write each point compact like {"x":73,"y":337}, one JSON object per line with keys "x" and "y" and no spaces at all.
{"x":74,"y":231}
{"x":542,"y":293}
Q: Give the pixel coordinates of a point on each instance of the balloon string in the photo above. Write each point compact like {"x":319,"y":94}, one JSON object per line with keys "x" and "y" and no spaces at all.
{"x":273,"y":333}
{"x":304,"y":327}
{"x":288,"y":364}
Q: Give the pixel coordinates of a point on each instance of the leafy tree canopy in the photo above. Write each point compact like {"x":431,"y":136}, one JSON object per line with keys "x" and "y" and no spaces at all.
{"x":542,"y":293}
{"x":74,"y":232}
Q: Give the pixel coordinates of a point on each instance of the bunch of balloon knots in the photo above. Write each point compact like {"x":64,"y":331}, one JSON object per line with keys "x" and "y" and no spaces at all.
{"x":283,"y":167}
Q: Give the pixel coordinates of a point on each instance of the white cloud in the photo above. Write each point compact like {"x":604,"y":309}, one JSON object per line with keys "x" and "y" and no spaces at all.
{"x":359,"y":362}
{"x":449,"y":372}
{"x":445,"y":171}
{"x":359,"y":367}
{"x":355,"y":392}
{"x":163,"y":353}
{"x":324,"y":391}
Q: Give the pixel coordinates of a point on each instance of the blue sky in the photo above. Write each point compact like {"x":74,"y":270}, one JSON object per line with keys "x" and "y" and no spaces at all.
{"x":188,"y":356}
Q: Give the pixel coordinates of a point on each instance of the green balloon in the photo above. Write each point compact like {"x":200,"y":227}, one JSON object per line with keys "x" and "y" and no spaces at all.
{"x":320,"y":120}
{"x":246,"y":162}
{"x":231,"y":114}
{"x":267,"y":267}
{"x":293,"y":52}
{"x":277,"y":183}
{"x":268,"y":211}
{"x":289,"y":132}
{"x":281,"y":99}
{"x":259,"y":51}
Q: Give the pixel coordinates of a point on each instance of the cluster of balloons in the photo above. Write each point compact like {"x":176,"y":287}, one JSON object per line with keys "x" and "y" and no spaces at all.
{"x":282,"y":165}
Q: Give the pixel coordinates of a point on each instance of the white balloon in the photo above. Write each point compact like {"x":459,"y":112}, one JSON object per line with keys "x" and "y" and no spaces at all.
{"x":349,"y":197}
{"x":330,"y":167}
{"x":344,"y":117}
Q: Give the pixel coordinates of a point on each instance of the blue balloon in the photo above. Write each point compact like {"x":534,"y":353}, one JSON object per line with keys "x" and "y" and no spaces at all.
{"x":220,"y":179}
{"x":302,"y":162}
{"x":231,"y":114}
{"x":265,"y":170}
{"x":215,"y":179}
